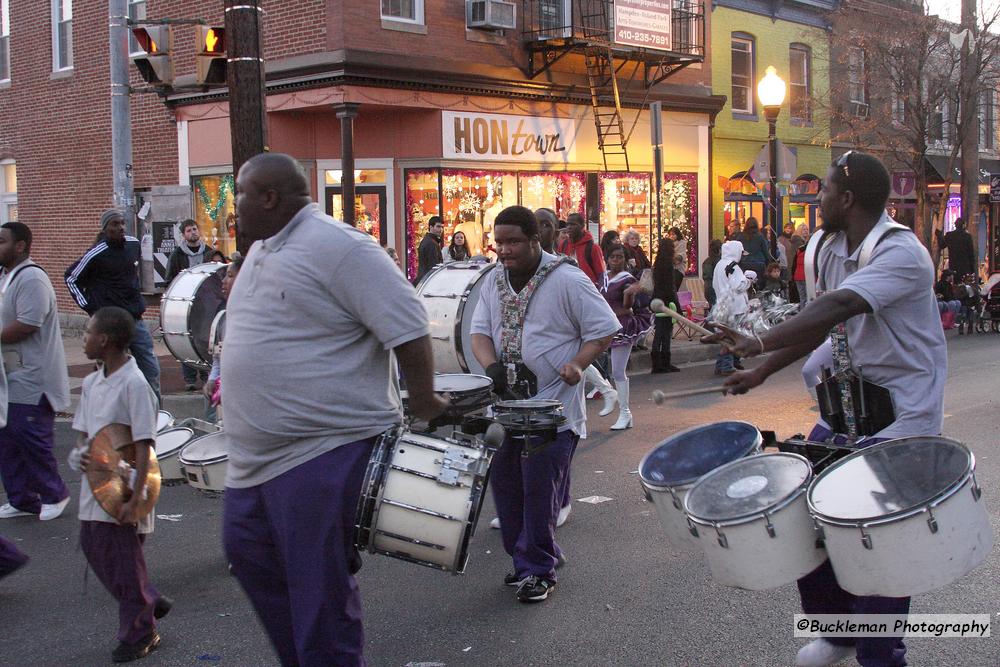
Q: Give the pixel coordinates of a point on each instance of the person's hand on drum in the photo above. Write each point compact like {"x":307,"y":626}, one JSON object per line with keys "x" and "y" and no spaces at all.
{"x":571,"y":374}
{"x":428,"y":406}
{"x":733,"y":342}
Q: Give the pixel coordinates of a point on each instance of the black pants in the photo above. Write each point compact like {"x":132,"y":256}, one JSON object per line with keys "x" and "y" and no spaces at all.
{"x":660,"y":354}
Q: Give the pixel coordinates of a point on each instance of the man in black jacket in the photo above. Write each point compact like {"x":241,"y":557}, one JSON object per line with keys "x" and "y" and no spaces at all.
{"x":108,"y":275}
{"x":961,"y":255}
{"x":429,"y":252}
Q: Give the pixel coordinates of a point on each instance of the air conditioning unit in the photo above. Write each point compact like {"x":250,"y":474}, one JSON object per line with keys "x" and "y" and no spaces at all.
{"x":859,"y":109}
{"x":490,"y":14}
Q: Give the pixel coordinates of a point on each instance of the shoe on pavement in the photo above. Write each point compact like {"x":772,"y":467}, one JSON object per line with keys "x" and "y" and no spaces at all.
{"x":563,"y":515}
{"x":535,"y":589}
{"x":8,"y":511}
{"x":162,"y":606}
{"x":140,"y":649}
{"x":673,"y":369}
{"x":53,"y":511}
{"x":821,"y":653}
{"x":610,"y":401}
{"x":495,"y":523}
{"x":512,"y":579}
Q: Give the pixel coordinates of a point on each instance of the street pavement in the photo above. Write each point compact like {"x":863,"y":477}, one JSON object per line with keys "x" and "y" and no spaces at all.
{"x":626,"y":597}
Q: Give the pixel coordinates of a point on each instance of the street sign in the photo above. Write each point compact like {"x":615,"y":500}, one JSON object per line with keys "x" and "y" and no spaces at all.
{"x":994,"y":188}
{"x":643,"y":23}
{"x":788,"y":164}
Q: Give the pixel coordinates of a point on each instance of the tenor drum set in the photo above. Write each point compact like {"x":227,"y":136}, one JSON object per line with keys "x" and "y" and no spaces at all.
{"x":895,"y":519}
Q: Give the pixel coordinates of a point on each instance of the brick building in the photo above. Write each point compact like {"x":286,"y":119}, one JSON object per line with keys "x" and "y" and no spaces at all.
{"x":420,"y":75}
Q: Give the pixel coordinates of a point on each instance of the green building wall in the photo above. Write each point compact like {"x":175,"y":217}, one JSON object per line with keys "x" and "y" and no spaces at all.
{"x":736,"y":139}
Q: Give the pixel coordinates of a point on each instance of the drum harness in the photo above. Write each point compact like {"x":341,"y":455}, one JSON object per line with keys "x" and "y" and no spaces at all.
{"x":12,"y":357}
{"x":851,"y":405}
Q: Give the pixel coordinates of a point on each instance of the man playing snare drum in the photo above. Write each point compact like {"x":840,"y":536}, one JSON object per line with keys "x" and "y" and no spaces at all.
{"x":539,"y":322}
{"x":306,"y":370}
{"x":878,"y":284}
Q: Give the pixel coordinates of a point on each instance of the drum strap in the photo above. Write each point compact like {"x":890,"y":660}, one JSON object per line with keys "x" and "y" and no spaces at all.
{"x":514,"y":309}
{"x":11,"y":353}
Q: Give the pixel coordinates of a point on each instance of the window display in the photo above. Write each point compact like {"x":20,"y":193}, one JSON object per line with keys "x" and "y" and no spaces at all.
{"x":625,"y":204}
{"x":563,"y":192}
{"x":679,"y":208}
{"x":214,"y":211}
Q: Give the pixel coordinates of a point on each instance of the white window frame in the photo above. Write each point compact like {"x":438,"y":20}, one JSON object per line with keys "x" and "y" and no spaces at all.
{"x":57,"y":23}
{"x":418,"y":14}
{"x":138,"y":15}
{"x":387,"y":165}
{"x":807,"y":83}
{"x":565,"y":27}
{"x":857,"y":75}
{"x":751,"y":78}
{"x":5,"y":36}
{"x":6,"y":198}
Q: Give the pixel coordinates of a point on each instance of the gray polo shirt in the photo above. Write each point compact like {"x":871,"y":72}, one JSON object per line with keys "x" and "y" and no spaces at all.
{"x":900,"y":345}
{"x":37,"y":365}
{"x":310,"y":325}
{"x":124,"y":397}
{"x":565,"y":311}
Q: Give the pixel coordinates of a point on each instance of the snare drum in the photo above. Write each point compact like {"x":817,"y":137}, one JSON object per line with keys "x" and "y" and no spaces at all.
{"x":450,"y":293}
{"x":169,"y":444}
{"x":466,"y":393}
{"x":420,"y":499}
{"x":902,"y":517}
{"x":531,"y":416}
{"x":187,"y":311}
{"x":751,"y":519}
{"x":669,"y":471}
{"x":204,"y":461}
{"x":164,"y":420}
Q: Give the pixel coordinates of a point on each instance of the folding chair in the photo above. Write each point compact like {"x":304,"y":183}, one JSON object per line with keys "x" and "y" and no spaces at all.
{"x":693,"y":310}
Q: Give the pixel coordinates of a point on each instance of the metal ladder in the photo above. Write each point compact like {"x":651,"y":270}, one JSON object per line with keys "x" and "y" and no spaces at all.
{"x":606,"y":103}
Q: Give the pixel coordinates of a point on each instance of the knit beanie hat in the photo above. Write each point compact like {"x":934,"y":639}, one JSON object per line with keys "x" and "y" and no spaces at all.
{"x":108,"y":216}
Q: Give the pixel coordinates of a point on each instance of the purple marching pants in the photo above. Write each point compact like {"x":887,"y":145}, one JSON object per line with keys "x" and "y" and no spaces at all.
{"x":28,"y":468}
{"x":528,"y":492}
{"x":821,"y":594}
{"x":115,"y":555}
{"x":11,"y":557}
{"x":565,"y":495}
{"x":290,"y":542}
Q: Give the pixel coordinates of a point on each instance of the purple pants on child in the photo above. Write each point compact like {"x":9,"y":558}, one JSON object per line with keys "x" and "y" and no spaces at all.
{"x":28,"y":467}
{"x":11,"y":557}
{"x":115,"y":555}
{"x":528,"y":492}
{"x":821,"y":594}
{"x":290,"y":542}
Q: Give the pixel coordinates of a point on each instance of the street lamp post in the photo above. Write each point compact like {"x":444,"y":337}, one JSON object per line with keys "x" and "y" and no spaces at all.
{"x":771,"y":92}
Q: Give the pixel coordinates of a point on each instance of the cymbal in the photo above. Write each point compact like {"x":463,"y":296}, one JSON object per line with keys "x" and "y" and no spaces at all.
{"x":112,"y":460}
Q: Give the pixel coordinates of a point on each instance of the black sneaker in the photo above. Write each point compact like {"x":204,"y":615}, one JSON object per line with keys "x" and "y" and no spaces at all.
{"x":535,"y":589}
{"x":142,"y":648}
{"x":162,"y":606}
{"x":512,"y":579}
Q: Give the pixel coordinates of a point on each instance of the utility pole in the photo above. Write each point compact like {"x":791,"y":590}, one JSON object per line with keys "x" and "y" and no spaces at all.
{"x":247,"y":91}
{"x":969,"y":108}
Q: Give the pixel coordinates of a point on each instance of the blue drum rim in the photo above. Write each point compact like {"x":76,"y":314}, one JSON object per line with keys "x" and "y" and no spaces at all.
{"x":651,"y":484}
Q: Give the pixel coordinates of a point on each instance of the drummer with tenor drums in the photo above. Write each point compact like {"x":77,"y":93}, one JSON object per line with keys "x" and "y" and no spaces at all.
{"x":875,"y":283}
{"x":540,"y":321}
{"x":313,"y":323}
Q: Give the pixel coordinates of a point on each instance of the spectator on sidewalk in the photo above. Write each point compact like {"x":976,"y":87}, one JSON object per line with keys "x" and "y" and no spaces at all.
{"x":37,"y":381}
{"x":581,"y":246}
{"x":108,"y":275}
{"x":961,"y":255}
{"x":429,"y":251}
{"x":191,"y":252}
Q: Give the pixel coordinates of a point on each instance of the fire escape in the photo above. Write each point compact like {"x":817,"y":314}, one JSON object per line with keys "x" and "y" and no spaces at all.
{"x":553,"y":29}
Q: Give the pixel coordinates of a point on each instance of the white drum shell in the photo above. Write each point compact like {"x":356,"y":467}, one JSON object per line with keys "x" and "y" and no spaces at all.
{"x":409,"y":489}
{"x":208,"y":474}
{"x":170,"y":467}
{"x":674,"y":520}
{"x":450,"y":293}
{"x":755,"y":561}
{"x":175,"y":312}
{"x":906,"y":558}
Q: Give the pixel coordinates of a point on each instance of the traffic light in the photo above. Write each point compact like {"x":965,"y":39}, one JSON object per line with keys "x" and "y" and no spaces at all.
{"x":211,"y":56}
{"x":156,"y":66}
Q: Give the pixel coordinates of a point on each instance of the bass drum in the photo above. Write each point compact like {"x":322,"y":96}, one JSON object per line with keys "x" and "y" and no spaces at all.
{"x":187,"y":311}
{"x":450,"y":293}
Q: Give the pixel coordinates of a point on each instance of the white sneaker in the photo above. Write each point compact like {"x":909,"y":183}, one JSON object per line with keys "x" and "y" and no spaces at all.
{"x":563,"y":515}
{"x":8,"y":511}
{"x":495,"y":523}
{"x":50,"y":512}
{"x":821,"y":653}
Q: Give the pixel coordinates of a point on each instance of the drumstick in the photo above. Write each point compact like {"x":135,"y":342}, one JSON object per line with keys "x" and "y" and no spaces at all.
{"x":657,"y":306}
{"x":659,"y":397}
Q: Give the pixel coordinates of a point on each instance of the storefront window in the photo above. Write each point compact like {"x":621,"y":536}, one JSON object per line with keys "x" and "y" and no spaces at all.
{"x":563,"y":192}
{"x":370,"y":199}
{"x":214,"y":211}
{"x":679,"y":208}
{"x":471,"y":201}
{"x":625,"y":204}
{"x":361,"y":176}
{"x":421,"y":203}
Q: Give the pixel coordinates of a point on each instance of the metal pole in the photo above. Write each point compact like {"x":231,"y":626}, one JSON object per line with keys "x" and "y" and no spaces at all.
{"x":772,"y":147}
{"x":656,"y":136}
{"x":347,"y":112}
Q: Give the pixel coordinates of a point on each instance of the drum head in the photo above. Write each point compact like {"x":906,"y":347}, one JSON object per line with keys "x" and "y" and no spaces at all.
{"x":468,"y":309}
{"x":530,"y":405}
{"x":682,"y":458}
{"x":170,"y":442}
{"x":206,"y":449}
{"x":207,"y":303}
{"x":890,"y":479}
{"x":460,"y":383}
{"x":748,"y":487}
{"x":164,"y":420}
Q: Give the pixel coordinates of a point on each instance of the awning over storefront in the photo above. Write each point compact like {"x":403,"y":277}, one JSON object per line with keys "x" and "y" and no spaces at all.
{"x":938,"y":167}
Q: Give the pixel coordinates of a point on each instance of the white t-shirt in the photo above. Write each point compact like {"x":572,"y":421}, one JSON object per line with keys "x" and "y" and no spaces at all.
{"x":124,"y":397}
{"x":565,"y":312}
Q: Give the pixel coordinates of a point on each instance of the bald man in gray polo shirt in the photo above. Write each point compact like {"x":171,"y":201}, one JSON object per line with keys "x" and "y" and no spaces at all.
{"x":313,"y":320}
{"x":890,"y":313}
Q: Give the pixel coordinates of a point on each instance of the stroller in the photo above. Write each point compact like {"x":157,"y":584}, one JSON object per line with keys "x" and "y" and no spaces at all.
{"x":989,"y":308}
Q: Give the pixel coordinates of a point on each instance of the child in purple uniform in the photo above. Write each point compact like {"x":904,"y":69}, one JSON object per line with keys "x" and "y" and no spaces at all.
{"x":117,"y":393}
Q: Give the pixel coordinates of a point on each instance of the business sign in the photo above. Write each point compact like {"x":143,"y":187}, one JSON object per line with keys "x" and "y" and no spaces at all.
{"x":485,"y":136}
{"x":643,"y":23}
{"x":994,"y":188}
{"x":164,"y":243}
{"x":903,"y":185}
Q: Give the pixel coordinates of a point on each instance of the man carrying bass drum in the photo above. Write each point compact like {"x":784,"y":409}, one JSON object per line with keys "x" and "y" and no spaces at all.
{"x":875,"y":282}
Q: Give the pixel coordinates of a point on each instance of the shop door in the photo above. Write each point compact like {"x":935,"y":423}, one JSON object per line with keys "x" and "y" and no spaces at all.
{"x":369,"y":207}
